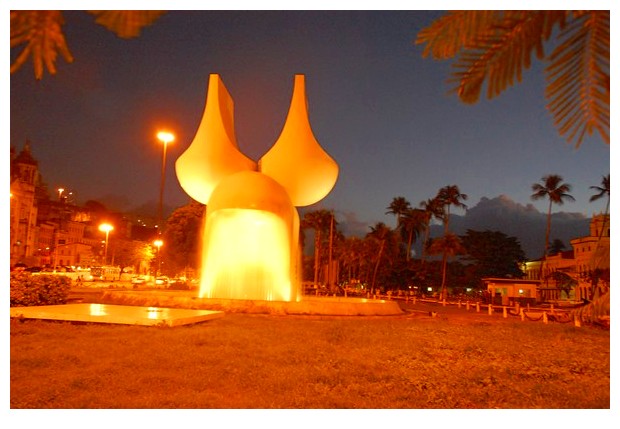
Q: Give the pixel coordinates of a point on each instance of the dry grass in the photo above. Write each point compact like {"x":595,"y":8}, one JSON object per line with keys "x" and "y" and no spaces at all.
{"x":457,"y":360}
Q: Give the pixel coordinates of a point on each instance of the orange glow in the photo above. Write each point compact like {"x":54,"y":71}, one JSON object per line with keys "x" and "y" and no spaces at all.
{"x":247,"y":256}
{"x":165,"y":137}
{"x":158,"y":243}
{"x":105,"y":227}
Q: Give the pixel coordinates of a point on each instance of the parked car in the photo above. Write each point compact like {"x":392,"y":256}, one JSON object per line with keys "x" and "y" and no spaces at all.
{"x":161,"y":281}
{"x":138,"y":280}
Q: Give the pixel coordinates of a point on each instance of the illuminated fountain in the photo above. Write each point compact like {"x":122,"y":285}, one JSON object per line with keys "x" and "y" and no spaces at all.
{"x":251,"y":245}
{"x":251,"y":252}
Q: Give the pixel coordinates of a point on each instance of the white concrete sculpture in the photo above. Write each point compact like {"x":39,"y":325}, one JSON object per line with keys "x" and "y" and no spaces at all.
{"x":251,"y":234}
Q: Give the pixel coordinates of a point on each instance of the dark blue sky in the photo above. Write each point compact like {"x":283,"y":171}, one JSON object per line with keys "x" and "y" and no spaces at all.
{"x":379,"y":109}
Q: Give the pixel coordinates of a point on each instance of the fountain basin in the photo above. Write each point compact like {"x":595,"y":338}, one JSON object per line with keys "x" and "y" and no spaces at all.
{"x":116,"y":314}
{"x":308,"y":305}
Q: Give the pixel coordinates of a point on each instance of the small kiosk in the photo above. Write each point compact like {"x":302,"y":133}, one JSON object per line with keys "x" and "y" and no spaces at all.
{"x":510,"y":291}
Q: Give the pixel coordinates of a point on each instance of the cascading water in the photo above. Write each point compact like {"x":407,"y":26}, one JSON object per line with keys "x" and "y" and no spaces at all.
{"x":259,"y":269}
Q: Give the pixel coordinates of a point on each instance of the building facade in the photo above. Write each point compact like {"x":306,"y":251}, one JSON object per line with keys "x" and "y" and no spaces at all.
{"x":579,"y":273}
{"x":25,"y":179}
{"x":53,"y":232}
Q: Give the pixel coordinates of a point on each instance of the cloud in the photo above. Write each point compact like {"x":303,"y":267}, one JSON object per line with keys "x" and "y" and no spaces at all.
{"x":524,"y":222}
{"x":350,"y":225}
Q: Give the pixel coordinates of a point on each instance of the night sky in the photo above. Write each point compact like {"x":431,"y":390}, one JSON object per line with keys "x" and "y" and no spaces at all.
{"x":376,"y":106}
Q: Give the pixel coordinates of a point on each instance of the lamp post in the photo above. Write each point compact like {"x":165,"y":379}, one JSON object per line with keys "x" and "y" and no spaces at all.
{"x":158,"y":243}
{"x":105,"y":227}
{"x":165,"y":137}
{"x":60,"y":191}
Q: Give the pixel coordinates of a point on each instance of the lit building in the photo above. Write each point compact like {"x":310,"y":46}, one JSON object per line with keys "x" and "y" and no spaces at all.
{"x":53,"y":232}
{"x":589,"y":256}
{"x":25,"y":179}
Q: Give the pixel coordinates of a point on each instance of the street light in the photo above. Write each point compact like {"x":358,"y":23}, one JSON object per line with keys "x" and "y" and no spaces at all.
{"x":158,"y":243}
{"x":165,"y":137}
{"x":60,"y":191}
{"x":105,"y":227}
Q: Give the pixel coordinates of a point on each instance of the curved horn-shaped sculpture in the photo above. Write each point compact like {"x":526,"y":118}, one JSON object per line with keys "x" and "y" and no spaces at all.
{"x":297,"y":161}
{"x":213,"y":154}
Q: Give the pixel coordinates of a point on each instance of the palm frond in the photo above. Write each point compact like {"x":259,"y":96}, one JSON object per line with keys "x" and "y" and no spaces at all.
{"x":501,"y":53}
{"x":41,"y":33}
{"x":126,"y":23}
{"x":595,"y":310}
{"x":578,"y":75}
{"x":446,"y":36}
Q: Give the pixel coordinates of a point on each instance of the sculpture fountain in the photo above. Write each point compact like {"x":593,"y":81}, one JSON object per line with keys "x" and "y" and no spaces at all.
{"x":251,"y":249}
{"x":251,"y":256}
{"x":251,"y":234}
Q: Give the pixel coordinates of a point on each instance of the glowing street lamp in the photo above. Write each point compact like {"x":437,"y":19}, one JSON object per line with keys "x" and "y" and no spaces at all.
{"x":165,"y":137}
{"x":60,"y":191}
{"x":158,"y":243}
{"x":105,"y":227}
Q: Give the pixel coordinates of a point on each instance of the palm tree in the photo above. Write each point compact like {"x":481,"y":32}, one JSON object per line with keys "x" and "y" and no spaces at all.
{"x":319,"y":221}
{"x":413,"y":223}
{"x":495,"y":46}
{"x":398,"y":207}
{"x":448,"y":246}
{"x":380,"y":233}
{"x":450,"y":196}
{"x":599,"y":258}
{"x":552,"y":188}
{"x":432,"y":209}
{"x":350,"y":256}
{"x":603,"y":191}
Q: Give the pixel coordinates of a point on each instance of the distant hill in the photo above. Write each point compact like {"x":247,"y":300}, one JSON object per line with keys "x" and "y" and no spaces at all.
{"x":525,"y":223}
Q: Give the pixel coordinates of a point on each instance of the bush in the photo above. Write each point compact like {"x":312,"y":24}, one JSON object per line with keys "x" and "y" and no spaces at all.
{"x":28,"y":290}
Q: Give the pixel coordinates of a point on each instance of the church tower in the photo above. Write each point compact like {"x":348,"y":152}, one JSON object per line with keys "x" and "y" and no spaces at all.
{"x":24,"y":181}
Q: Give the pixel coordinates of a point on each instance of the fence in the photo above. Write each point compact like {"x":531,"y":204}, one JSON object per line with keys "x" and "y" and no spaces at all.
{"x":528,"y":312}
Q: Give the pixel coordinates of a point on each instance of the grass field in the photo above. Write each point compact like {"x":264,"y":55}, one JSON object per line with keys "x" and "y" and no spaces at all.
{"x":456,"y":360}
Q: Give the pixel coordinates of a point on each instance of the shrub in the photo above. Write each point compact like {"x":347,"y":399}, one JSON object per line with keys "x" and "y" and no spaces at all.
{"x":28,"y":290}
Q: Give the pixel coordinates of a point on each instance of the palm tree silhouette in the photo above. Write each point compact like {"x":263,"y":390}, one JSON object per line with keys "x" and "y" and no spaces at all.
{"x":448,"y":246}
{"x":432,"y":209}
{"x":413,"y":222}
{"x":379,"y":232}
{"x":603,"y":191}
{"x":319,"y":221}
{"x":556,"y":191}
{"x":398,"y":207}
{"x":448,"y":196}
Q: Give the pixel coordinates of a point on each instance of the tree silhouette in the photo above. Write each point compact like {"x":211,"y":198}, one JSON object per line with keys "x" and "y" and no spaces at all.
{"x":432,"y":209}
{"x":556,"y":246}
{"x":556,"y":191}
{"x":380,"y":233}
{"x":450,"y":196}
{"x":319,"y":221}
{"x":413,"y":222}
{"x":398,"y":207}
{"x":603,"y":191}
{"x":448,"y":246}
{"x":182,"y":237}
